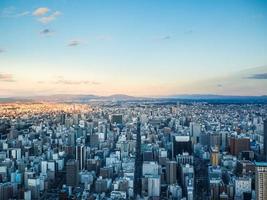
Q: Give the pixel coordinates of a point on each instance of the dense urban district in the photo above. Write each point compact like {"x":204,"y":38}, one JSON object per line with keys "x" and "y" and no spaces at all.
{"x":133,"y":150}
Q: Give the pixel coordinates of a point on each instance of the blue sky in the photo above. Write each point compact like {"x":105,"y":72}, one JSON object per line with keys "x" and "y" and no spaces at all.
{"x":133,"y":47}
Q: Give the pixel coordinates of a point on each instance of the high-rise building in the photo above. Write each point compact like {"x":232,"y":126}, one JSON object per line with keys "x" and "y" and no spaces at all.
{"x":187,"y":180}
{"x":116,"y":119}
{"x":153,"y":184}
{"x":94,"y":140}
{"x":6,"y":191}
{"x":62,"y":118}
{"x":195,"y":130}
{"x":81,"y":156}
{"x":185,"y":158}
{"x":72,"y":169}
{"x":181,"y":144}
{"x":238,"y":144}
{"x":215,"y":139}
{"x":261,"y":180}
{"x":242,"y":185}
{"x":150,"y":168}
{"x":265,"y":139}
{"x":148,"y":155}
{"x":138,"y":162}
{"x":214,"y":156}
{"x":102,"y":185}
{"x":171,"y":172}
{"x":27,"y":195}
{"x":174,"y":192}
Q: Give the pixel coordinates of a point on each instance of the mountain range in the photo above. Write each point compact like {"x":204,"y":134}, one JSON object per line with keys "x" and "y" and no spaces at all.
{"x":83,"y":98}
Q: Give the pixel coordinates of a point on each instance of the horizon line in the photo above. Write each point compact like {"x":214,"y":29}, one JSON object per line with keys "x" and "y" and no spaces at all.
{"x":135,"y":96}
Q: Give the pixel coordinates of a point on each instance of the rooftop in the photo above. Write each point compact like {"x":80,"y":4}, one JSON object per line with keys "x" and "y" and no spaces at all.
{"x":261,"y":164}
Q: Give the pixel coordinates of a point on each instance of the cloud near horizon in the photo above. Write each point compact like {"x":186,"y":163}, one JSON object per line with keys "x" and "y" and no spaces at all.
{"x":71,"y":82}
{"x":262,"y":76}
{"x":6,"y":78}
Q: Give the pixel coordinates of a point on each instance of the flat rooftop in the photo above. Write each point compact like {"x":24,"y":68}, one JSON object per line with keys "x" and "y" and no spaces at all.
{"x":261,"y":164}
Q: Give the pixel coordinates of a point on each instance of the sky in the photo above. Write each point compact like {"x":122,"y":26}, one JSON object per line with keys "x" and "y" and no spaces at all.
{"x":134,"y":47}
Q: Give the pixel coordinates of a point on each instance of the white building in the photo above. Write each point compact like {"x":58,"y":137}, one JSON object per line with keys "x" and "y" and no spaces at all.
{"x":242,"y":184}
{"x":154,"y":186}
{"x":150,"y":168}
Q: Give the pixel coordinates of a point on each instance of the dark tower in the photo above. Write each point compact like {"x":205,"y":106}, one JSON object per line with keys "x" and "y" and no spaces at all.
{"x":265,"y":139}
{"x":138,"y":162}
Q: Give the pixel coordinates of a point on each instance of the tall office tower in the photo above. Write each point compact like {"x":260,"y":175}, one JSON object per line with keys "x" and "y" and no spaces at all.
{"x":242,"y":185}
{"x":195,"y":130}
{"x":215,"y":139}
{"x":180,"y":145}
{"x":116,"y":119}
{"x":81,"y":156}
{"x":72,"y":169}
{"x":261,"y":180}
{"x":138,"y":163}
{"x":153,"y":184}
{"x":187,"y":180}
{"x":94,"y":140}
{"x":224,"y":140}
{"x":174,"y":192}
{"x":171,"y":172}
{"x":238,"y":144}
{"x":6,"y":191}
{"x":265,"y":139}
{"x":185,"y":158}
{"x":214,"y":156}
{"x":62,"y":118}
{"x":148,"y":155}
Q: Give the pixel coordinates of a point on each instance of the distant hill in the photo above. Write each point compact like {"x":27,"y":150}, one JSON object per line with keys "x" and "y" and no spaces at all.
{"x":81,"y":98}
{"x":84,"y":98}
{"x":217,"y":99}
{"x":211,"y":96}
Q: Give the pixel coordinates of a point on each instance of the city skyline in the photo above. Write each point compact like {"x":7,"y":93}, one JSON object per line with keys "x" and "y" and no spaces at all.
{"x":133,"y":47}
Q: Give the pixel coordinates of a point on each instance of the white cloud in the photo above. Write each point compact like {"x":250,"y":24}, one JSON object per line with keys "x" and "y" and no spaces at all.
{"x":12,"y":12}
{"x":40,"y":11}
{"x":23,"y":14}
{"x":6,"y":77}
{"x":74,"y":43}
{"x":52,"y":17}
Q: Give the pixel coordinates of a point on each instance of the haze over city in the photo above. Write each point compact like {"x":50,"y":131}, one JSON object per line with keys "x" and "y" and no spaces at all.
{"x":138,"y":48}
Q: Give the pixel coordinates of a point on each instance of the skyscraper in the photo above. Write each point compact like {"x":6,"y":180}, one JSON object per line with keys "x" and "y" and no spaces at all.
{"x":261,"y":180}
{"x":265,"y":139}
{"x":181,"y":144}
{"x":138,"y":162}
{"x":171,"y":172}
{"x":238,"y":144}
{"x":81,"y":156}
{"x":214,"y":156}
{"x":72,"y":168}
